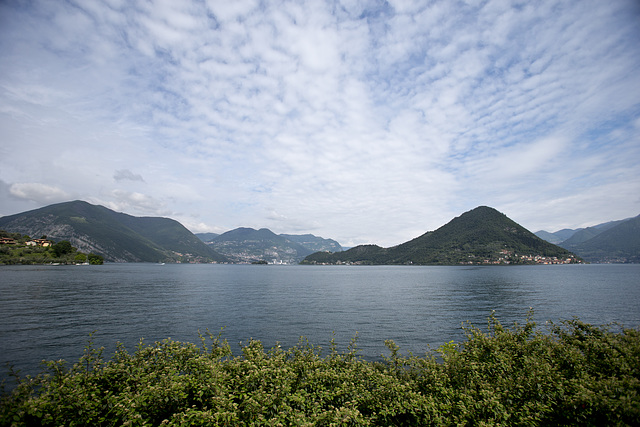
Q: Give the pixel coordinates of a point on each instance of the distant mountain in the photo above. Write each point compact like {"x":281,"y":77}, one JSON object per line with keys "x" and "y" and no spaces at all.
{"x":616,"y":241}
{"x":584,"y":234}
{"x":118,"y":237}
{"x":557,"y":237}
{"x":586,"y":243}
{"x":250,"y":245}
{"x":480,"y":236}
{"x":206,"y":237}
{"x":578,"y":235}
{"x":314,"y":243}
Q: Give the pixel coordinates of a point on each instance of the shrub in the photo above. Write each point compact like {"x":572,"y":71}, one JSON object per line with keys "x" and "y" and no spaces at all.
{"x":95,"y":259}
{"x":569,"y":374}
{"x":62,"y":248}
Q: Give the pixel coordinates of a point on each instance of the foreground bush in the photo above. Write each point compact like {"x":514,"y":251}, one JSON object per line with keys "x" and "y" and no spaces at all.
{"x":569,"y":374}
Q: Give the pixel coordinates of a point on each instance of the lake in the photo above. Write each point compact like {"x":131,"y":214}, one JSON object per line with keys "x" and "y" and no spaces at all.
{"x":48,"y":312}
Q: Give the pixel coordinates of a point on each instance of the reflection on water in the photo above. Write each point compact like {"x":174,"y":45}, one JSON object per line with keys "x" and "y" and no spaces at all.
{"x":49,"y":312}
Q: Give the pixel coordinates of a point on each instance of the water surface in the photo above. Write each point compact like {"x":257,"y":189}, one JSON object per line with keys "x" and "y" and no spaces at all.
{"x":48,"y":312}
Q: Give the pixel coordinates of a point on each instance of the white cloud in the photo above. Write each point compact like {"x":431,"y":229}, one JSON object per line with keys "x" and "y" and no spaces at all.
{"x":39,"y":193}
{"x":527,"y":160}
{"x":357,"y":120}
{"x":126,"y":174}
{"x":141,"y":204}
{"x":231,"y":11}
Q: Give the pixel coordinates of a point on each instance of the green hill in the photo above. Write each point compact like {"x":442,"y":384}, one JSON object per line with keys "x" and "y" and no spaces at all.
{"x":480,"y":236}
{"x":116,"y":236}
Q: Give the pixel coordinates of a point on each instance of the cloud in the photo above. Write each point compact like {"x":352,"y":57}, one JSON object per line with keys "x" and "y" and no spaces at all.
{"x":126,"y":174}
{"x":359,"y":120}
{"x":39,"y":193}
{"x":125,"y":201}
{"x":527,"y":160}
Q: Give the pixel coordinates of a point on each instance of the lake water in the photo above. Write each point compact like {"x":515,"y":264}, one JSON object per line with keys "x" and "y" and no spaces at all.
{"x":48,"y":312}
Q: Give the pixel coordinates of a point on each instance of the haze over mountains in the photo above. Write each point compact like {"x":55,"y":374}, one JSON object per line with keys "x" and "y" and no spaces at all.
{"x":480,"y":236}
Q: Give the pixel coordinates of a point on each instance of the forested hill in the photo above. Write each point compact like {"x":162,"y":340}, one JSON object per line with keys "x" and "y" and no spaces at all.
{"x":116,"y":236}
{"x":480,"y":236}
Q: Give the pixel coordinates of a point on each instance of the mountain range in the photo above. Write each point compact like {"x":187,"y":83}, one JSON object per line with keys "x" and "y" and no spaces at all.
{"x":480,"y":236}
{"x":118,"y":237}
{"x":250,"y":245}
{"x":614,"y":241}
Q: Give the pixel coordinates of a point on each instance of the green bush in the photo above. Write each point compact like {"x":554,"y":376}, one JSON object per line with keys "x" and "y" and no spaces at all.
{"x":569,"y":374}
{"x":95,"y":259}
{"x":63,"y":247}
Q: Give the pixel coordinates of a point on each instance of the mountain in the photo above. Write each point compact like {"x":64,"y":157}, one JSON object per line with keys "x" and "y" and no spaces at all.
{"x":480,"y":236}
{"x":578,"y":235}
{"x":617,"y":241}
{"x":557,"y":237}
{"x":250,"y":245}
{"x":584,"y":234}
{"x":206,"y":237}
{"x":118,"y":237}
{"x":308,"y":241}
{"x":314,"y":243}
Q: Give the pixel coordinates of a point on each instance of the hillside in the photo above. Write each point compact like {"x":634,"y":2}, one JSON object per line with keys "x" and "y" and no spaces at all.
{"x":558,"y":236}
{"x":206,"y":237}
{"x":549,"y":237}
{"x":250,"y":245}
{"x":314,"y":243}
{"x":617,"y":243}
{"x":584,"y":234}
{"x":570,"y":237}
{"x":116,"y":236}
{"x":480,"y":236}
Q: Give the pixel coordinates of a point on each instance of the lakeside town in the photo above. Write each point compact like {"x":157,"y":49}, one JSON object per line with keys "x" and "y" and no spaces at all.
{"x":508,"y":257}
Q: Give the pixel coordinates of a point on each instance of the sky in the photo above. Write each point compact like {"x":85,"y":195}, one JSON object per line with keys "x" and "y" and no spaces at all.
{"x":361,"y":121}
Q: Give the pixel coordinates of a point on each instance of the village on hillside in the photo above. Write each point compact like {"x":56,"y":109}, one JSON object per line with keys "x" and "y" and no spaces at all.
{"x":21,"y":249}
{"x":508,"y":257}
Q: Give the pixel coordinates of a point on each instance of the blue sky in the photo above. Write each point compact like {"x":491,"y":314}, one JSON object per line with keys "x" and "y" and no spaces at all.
{"x":361,"y":121}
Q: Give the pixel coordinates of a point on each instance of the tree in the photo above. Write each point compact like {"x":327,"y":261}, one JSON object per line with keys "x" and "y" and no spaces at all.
{"x":95,"y":259}
{"x":63,"y":247}
{"x":81,"y":258}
